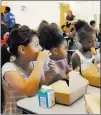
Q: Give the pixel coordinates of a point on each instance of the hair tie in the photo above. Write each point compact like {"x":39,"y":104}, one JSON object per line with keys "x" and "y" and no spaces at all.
{"x":5,"y":38}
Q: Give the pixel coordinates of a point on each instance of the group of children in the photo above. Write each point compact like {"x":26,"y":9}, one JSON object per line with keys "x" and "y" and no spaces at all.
{"x":40,"y":58}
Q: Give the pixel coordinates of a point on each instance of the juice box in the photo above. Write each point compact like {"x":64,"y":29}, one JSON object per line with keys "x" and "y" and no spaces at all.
{"x":46,"y":97}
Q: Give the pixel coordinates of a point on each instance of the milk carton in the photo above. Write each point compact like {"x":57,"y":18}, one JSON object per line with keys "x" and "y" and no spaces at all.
{"x":46,"y":97}
{"x":46,"y":66}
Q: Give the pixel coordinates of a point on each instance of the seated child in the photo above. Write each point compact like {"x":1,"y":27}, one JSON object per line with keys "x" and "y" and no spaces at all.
{"x":87,"y":39}
{"x":21,"y":77}
{"x":54,"y":42}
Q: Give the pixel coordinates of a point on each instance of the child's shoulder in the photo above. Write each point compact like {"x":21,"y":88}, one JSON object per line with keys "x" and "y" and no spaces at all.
{"x":9,"y":66}
{"x":77,"y":53}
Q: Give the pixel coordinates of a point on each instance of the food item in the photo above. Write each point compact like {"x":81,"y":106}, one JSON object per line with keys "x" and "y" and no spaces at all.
{"x":93,"y":51}
{"x":69,"y":93}
{"x":92,"y":74}
{"x":92,"y":103}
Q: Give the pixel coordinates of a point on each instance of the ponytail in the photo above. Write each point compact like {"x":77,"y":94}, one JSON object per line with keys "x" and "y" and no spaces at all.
{"x":5,"y":55}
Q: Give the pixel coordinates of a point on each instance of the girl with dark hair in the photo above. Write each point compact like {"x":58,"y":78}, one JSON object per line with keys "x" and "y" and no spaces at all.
{"x":21,"y":77}
{"x":51,"y":40}
{"x":87,"y":39}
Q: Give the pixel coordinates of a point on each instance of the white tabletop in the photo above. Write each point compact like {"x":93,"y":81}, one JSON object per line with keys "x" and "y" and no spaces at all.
{"x":78,"y":107}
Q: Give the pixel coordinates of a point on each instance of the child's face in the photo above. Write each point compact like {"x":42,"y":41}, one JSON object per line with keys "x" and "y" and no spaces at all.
{"x":61,"y":52}
{"x":88,"y":43}
{"x":31,"y":51}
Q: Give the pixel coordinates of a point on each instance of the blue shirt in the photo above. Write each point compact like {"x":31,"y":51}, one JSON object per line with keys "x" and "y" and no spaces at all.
{"x":11,"y":19}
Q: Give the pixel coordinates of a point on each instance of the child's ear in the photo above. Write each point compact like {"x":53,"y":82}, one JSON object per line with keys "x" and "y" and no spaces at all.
{"x":55,"y":51}
{"x":21,"y":49}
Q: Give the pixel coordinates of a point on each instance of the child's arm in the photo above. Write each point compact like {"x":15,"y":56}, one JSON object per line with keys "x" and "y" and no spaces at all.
{"x":55,"y":74}
{"x":75,"y":61}
{"x":51,"y":76}
{"x":30,"y":86}
{"x":55,"y":77}
{"x":48,"y":76}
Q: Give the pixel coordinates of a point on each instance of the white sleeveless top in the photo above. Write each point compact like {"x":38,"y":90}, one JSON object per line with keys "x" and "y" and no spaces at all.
{"x":83,"y":59}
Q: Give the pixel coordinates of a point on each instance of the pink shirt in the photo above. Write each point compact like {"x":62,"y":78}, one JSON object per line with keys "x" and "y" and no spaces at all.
{"x":63,"y":65}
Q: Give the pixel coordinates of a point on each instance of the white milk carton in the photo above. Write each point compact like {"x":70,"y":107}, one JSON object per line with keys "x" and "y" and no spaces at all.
{"x":46,"y":97}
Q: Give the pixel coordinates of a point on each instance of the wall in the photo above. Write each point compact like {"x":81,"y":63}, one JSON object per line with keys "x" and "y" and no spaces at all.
{"x":36,"y":11}
{"x":87,"y":10}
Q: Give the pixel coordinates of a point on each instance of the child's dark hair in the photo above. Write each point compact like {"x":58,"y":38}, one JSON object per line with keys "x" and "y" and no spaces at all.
{"x":44,"y":21}
{"x":54,"y":26}
{"x":83,"y":33}
{"x":92,"y":22}
{"x":20,"y":36}
{"x":50,"y":38}
{"x":42,"y":24}
{"x":79,"y":24}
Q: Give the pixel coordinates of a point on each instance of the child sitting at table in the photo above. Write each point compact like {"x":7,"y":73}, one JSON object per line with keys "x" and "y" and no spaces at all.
{"x":87,"y":39}
{"x":21,"y":77}
{"x":54,"y":42}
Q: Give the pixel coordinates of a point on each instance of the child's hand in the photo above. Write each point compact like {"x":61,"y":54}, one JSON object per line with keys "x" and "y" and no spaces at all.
{"x":43,"y":55}
{"x":54,"y":67}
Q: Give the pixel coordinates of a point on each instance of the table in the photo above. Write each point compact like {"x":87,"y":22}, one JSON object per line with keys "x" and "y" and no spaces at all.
{"x":31,"y":105}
